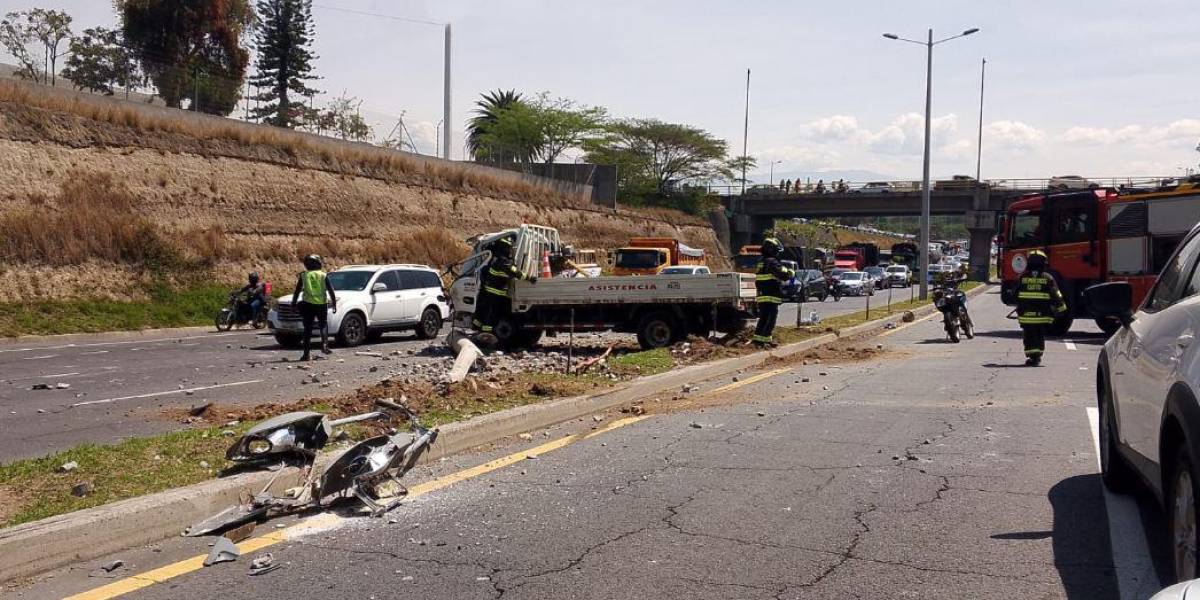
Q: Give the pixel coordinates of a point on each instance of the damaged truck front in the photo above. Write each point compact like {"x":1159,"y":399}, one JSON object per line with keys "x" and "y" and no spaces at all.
{"x":660,"y":309}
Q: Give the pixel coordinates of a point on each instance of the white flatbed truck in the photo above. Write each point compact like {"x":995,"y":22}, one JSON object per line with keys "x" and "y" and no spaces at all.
{"x":660,"y":309}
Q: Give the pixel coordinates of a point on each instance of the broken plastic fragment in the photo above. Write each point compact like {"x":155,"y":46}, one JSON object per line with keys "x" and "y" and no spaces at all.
{"x":223,"y":551}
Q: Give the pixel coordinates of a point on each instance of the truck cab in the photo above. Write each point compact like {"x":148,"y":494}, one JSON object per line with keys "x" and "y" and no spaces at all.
{"x":649,"y":256}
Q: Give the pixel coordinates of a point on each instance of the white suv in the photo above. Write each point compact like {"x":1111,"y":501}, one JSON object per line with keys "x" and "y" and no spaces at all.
{"x":373,"y":299}
{"x":1147,"y":387}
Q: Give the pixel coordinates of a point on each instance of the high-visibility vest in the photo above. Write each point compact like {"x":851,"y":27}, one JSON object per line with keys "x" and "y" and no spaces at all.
{"x":313,"y":287}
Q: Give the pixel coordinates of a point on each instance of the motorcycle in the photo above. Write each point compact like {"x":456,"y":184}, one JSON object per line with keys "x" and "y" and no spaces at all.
{"x":835,"y":288}
{"x":952,"y":302}
{"x":369,"y":471}
{"x":237,"y":313}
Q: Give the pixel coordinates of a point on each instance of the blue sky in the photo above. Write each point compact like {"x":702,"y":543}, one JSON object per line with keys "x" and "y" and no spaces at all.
{"x":1095,"y":88}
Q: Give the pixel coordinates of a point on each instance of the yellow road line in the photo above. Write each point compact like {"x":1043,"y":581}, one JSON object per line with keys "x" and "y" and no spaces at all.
{"x":195,"y":563}
{"x":750,"y":380}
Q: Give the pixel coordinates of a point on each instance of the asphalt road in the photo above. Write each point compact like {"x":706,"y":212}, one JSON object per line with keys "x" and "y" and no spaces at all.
{"x":931,"y":471}
{"x":120,"y":385}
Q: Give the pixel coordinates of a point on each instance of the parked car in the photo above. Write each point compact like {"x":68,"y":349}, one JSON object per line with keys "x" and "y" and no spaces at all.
{"x":1148,"y":396}
{"x":809,"y":281}
{"x":856,"y":283}
{"x":372,"y":300}
{"x":898,"y":276}
{"x":686,"y":270}
{"x":877,"y":276}
{"x":1070,"y":182}
{"x":874,"y":187}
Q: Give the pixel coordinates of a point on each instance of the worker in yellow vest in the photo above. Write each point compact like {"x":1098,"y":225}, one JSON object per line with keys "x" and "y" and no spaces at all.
{"x":312,"y":289}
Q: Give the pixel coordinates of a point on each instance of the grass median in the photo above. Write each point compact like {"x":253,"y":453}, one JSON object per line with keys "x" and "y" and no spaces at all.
{"x":165,"y":308}
{"x":34,"y":489}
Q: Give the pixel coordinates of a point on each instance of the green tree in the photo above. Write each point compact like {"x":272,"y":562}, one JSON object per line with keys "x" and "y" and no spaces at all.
{"x":735,"y":166}
{"x":653,"y":156}
{"x":487,"y":111}
{"x":564,"y":124}
{"x":284,"y":63}
{"x":99,"y":62}
{"x":343,"y":119}
{"x":47,"y":28}
{"x":190,"y":48}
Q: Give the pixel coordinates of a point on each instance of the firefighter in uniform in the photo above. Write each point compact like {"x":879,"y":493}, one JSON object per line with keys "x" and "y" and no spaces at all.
{"x":492,"y":302}
{"x":768,"y":283}
{"x":1038,"y":301}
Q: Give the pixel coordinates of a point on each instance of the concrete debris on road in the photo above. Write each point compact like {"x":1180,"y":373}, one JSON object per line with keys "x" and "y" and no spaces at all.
{"x":525,"y":436}
{"x":67,"y":467}
{"x":40,"y":386}
{"x":263,"y":564}
{"x":695,"y":425}
{"x":82,"y":489}
{"x":369,"y":353}
{"x":62,"y":386}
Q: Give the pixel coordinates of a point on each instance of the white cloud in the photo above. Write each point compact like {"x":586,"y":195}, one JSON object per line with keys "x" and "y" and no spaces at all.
{"x":808,"y":158}
{"x":1014,"y":135}
{"x":1102,"y":135}
{"x":906,"y":134}
{"x":836,"y":128}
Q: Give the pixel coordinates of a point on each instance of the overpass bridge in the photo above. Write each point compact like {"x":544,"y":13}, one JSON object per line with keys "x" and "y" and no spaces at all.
{"x":747,"y":216}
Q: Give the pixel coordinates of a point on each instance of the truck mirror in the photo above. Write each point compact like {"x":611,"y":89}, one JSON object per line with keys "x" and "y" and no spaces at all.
{"x":1111,"y":300}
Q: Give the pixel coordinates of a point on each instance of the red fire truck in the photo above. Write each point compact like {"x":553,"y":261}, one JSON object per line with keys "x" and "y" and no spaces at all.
{"x":1097,"y":235}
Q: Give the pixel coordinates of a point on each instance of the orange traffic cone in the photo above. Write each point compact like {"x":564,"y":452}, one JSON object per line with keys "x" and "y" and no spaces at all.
{"x":546,"y":274}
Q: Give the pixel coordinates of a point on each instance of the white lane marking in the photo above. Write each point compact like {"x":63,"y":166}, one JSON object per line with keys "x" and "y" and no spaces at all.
{"x":127,"y":342}
{"x":166,"y":393}
{"x":1136,"y":576}
{"x":40,"y":357}
{"x":97,"y":352}
{"x":57,"y":375}
{"x":1070,"y":345}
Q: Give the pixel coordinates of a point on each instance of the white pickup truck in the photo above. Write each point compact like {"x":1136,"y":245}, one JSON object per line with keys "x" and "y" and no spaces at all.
{"x":660,"y":309}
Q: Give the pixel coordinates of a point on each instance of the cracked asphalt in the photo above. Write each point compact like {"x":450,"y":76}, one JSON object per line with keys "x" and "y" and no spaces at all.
{"x":931,"y":471}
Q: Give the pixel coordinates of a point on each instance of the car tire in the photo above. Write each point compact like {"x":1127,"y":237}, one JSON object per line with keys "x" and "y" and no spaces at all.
{"x":656,"y":330}
{"x":430,"y":324}
{"x":1182,"y":532}
{"x":353,"y":331}
{"x":1116,"y":474}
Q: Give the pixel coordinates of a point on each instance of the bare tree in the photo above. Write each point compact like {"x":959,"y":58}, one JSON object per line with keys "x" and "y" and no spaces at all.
{"x":36,"y":27}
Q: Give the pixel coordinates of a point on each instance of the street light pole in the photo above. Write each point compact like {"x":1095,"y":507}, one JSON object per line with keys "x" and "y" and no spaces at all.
{"x":979,"y":146}
{"x":772,"y":177}
{"x":925,"y":189}
{"x":746,"y":133}
{"x":446,"y":98}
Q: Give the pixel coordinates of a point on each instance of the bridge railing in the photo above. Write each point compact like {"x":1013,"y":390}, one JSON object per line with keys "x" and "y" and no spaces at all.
{"x":801,"y":188}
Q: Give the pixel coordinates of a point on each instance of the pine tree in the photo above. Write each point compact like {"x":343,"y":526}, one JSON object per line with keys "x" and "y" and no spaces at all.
{"x":284,"y":62}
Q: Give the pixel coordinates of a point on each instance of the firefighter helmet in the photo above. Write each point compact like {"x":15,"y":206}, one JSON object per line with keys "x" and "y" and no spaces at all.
{"x":1037,"y":261}
{"x":771,"y":247}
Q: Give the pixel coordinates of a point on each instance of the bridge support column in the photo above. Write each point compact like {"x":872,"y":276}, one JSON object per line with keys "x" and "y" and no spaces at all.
{"x":981,"y":225}
{"x":745,"y":229}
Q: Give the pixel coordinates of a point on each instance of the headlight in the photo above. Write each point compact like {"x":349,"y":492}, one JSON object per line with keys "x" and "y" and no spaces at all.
{"x":258,"y":446}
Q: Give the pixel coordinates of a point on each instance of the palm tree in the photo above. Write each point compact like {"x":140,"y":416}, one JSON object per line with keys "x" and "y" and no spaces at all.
{"x":486,"y":113}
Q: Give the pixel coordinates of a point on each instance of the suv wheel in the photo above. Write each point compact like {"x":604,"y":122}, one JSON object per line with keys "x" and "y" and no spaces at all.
{"x":353,"y":331}
{"x":430,"y":324}
{"x":1181,"y":515}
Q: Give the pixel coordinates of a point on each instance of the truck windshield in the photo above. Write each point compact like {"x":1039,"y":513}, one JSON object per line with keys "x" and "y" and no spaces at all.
{"x":746,"y":261}
{"x":1025,"y":229}
{"x":846,"y":256}
{"x":350,"y":281}
{"x":638,"y":259}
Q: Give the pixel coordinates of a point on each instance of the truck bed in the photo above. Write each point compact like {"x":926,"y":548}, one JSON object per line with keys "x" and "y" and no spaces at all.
{"x":722,"y":288}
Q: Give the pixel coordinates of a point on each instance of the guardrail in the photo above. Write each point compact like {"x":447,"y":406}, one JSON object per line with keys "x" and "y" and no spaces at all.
{"x":801,"y":188}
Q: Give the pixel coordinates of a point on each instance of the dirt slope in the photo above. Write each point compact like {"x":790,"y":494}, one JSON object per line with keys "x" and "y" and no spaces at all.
{"x":267,"y":206}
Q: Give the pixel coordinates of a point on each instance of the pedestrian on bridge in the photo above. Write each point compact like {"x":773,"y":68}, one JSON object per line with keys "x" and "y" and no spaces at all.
{"x":1038,"y":301}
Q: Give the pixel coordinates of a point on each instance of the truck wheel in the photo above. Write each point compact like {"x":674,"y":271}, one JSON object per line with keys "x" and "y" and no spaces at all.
{"x":1060,"y":326}
{"x":657,"y":330}
{"x":353,"y":331}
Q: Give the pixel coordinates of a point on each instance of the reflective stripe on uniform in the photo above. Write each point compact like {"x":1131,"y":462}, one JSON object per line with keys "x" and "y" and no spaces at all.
{"x":769,"y":300}
{"x":1035,"y":320}
{"x":1033,"y":296}
{"x":760,"y":338}
{"x":497,"y":273}
{"x":1032,"y":352}
{"x":492,"y":290}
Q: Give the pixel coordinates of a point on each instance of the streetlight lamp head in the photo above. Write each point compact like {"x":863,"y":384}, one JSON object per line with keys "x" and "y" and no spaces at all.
{"x":970,"y":31}
{"x":891,"y":36}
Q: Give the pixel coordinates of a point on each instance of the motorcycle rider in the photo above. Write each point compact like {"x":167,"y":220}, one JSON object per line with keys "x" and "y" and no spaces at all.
{"x":1038,"y":300}
{"x":255,"y":293}
{"x":492,"y":302}
{"x":313,"y":285}
{"x":768,"y":283}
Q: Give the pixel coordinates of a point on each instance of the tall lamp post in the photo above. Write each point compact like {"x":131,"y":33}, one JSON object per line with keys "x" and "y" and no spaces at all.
{"x":929,"y":44}
{"x":772,"y":177}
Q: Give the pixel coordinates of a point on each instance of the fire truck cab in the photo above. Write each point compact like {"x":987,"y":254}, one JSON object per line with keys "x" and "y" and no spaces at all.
{"x":1096,"y":235}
